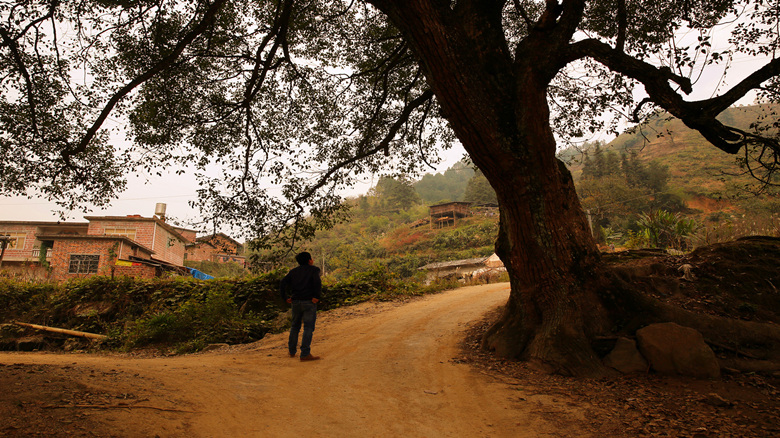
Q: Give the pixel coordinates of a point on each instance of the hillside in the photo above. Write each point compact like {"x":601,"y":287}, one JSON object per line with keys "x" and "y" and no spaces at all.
{"x":398,"y":241}
{"x":708,"y":179}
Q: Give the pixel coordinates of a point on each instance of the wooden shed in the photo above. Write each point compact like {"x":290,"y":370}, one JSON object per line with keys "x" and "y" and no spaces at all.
{"x":445,"y":215}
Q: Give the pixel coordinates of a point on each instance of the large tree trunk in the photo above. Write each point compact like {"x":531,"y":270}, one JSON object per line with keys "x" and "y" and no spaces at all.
{"x":500,"y":114}
{"x":496,"y":102}
{"x":554,"y":266}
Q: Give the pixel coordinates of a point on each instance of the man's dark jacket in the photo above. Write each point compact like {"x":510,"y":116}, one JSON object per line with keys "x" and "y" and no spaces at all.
{"x":303,"y":282}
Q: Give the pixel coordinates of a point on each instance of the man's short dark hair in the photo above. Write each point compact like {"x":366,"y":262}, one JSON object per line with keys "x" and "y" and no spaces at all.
{"x":303,"y":258}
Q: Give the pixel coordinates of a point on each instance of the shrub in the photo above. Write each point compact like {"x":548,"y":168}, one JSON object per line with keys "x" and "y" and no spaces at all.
{"x":183,"y":314}
{"x":663,"y":229}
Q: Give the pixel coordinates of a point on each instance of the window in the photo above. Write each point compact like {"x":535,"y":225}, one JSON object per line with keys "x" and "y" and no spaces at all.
{"x":127,"y":232}
{"x":83,"y":264}
{"x":16,"y":239}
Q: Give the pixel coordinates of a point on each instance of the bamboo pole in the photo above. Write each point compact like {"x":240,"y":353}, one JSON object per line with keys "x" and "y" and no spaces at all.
{"x":63,"y":331}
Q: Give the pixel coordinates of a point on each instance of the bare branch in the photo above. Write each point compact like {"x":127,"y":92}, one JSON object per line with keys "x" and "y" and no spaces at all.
{"x":402,"y":119}
{"x":12,"y":46}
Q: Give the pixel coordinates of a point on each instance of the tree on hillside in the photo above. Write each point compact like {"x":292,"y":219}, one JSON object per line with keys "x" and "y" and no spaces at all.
{"x":396,"y":193}
{"x":479,"y":190}
{"x":444,"y":187}
{"x":307,"y":93}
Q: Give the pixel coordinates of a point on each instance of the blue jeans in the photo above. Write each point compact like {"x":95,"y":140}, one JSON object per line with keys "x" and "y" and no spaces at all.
{"x":302,"y":312}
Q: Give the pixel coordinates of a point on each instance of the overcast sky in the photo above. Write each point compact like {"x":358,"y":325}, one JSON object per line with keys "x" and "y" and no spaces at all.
{"x":144,"y":192}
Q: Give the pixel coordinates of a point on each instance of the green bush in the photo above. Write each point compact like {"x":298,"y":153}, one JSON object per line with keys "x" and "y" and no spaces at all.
{"x":663,"y":229}
{"x":182,"y":314}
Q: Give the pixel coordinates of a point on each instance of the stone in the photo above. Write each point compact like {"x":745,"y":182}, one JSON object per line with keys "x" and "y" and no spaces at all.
{"x":676,"y":350}
{"x":716,"y":400}
{"x":215,"y":346}
{"x":626,"y":358}
{"x":92,"y":309}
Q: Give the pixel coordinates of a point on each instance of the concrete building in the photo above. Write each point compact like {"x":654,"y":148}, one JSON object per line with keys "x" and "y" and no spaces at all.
{"x":464,"y":270}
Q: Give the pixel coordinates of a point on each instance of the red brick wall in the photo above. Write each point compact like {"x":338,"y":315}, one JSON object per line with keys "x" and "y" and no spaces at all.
{"x":200,"y":252}
{"x":149,"y":234}
{"x":224,"y":246}
{"x":64,"y":248}
{"x":60,"y":260}
{"x":29,"y":241}
{"x":144,"y":230}
{"x":187,"y":234}
{"x":168,"y":247}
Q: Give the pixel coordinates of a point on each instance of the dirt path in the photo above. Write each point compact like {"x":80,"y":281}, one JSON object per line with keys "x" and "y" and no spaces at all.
{"x":387,"y":370}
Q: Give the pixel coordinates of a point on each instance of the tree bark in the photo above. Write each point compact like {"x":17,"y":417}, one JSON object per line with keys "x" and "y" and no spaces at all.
{"x":499,"y":111}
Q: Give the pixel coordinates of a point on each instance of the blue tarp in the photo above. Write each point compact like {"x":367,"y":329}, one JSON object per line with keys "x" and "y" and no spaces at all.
{"x":199,"y":275}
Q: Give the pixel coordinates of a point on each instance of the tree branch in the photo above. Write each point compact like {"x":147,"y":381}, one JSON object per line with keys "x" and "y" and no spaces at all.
{"x":403,"y":118}
{"x":698,"y":115}
{"x":12,"y":46}
{"x":208,"y":18}
{"x":622,"y":25}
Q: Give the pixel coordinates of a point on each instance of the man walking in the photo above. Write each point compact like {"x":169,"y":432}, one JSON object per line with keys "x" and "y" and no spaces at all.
{"x":305,"y":288}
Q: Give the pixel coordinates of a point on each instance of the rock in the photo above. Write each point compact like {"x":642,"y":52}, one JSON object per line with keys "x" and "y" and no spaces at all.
{"x":92,"y":309}
{"x":673,"y":349}
{"x":214,"y":347}
{"x":716,"y":400}
{"x":626,"y":358}
{"x":687,"y":269}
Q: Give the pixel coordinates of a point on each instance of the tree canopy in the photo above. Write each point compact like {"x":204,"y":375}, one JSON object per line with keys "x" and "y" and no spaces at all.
{"x":304,"y":94}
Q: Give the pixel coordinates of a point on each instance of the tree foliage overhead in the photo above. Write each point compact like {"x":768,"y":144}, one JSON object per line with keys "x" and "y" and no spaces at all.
{"x":302,"y":94}
{"x":295,"y":95}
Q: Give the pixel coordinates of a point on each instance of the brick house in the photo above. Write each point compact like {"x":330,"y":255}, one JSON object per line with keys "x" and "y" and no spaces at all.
{"x":106,"y":245}
{"x":217,"y":247}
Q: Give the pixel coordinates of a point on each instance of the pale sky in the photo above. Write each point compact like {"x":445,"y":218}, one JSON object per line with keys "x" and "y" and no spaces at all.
{"x":171,"y":189}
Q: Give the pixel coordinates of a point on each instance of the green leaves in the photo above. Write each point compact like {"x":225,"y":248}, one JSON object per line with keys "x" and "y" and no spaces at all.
{"x":663,"y":229}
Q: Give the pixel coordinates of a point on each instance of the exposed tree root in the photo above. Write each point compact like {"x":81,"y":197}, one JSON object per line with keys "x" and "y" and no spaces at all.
{"x":563,"y":346}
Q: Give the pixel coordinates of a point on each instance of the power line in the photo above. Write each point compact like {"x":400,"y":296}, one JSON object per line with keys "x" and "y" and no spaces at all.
{"x":118,"y":200}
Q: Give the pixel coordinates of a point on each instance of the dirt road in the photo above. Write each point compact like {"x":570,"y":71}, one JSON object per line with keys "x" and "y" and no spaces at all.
{"x":387,"y":370}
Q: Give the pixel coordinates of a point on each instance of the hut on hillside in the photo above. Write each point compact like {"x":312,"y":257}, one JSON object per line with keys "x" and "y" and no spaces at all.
{"x":446,"y":215}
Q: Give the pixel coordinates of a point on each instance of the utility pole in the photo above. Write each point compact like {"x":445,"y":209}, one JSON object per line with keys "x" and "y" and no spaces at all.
{"x":4,"y":240}
{"x":590,"y":221}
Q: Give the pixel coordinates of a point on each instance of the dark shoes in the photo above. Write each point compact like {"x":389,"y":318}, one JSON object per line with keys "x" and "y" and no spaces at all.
{"x":292,"y":354}
{"x":309,"y":357}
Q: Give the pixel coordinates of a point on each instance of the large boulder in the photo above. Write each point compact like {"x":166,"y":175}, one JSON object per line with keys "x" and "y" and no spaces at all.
{"x":673,"y":349}
{"x":626,"y":358}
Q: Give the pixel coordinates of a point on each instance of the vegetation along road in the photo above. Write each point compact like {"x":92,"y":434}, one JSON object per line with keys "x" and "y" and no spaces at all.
{"x":387,"y":370}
